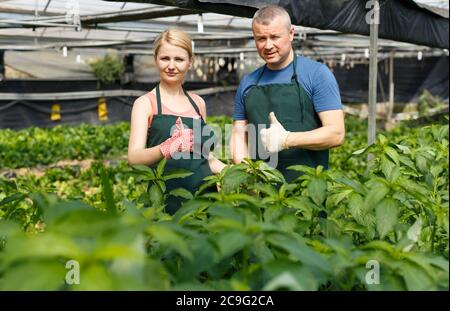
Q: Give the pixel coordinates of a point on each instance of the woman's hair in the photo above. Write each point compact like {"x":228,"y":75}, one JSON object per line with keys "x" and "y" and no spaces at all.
{"x":176,"y":37}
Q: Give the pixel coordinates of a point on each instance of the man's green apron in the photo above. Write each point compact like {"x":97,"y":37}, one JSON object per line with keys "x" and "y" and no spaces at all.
{"x":159,"y":131}
{"x":295,"y":111}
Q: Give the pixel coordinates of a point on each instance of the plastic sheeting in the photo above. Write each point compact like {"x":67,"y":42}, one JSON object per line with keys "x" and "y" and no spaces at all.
{"x":400,"y":20}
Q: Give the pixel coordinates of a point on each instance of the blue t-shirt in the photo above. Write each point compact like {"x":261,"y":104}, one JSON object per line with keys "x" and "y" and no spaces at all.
{"x":315,"y":78}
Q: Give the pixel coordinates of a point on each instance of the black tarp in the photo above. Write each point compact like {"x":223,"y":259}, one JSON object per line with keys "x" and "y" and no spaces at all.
{"x":400,"y":20}
{"x":411,"y":78}
{"x":19,"y":114}
{"x":2,"y":65}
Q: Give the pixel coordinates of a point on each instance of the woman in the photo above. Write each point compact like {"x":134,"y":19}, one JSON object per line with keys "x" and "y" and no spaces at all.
{"x":164,"y":121}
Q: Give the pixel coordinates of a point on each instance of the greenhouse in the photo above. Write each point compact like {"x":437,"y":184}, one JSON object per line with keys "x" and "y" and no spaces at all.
{"x":203,"y":145}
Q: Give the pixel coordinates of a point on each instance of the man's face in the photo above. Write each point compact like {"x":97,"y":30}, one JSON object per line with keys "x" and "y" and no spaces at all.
{"x":274,"y":42}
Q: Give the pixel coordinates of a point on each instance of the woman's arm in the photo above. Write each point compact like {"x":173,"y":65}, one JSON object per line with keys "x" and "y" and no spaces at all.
{"x":137,"y":153}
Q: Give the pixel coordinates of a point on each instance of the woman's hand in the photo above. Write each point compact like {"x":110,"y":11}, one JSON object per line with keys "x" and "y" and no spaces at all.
{"x":182,"y":140}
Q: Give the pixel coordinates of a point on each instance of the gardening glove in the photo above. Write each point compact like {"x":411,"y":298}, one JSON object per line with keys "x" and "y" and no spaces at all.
{"x":182,"y":140}
{"x":274,"y":138}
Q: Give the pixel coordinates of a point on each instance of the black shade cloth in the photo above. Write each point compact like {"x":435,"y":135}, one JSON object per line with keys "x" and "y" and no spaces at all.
{"x":400,"y":20}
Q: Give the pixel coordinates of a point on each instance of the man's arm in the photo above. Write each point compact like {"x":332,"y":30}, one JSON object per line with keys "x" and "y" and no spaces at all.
{"x":331,"y":134}
{"x":238,"y":142}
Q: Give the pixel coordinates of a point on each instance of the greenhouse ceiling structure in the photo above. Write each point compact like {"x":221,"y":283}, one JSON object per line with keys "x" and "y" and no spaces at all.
{"x":131,"y":27}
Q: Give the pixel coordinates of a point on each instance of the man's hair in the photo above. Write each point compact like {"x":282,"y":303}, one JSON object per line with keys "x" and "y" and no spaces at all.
{"x":267,"y":14}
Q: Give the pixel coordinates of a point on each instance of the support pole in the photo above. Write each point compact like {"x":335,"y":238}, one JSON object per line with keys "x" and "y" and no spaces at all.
{"x":373,"y":71}
{"x":391,"y":88}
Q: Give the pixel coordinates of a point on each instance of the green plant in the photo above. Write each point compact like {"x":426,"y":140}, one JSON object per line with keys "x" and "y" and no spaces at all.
{"x":256,"y":232}
{"x":428,"y":103}
{"x":107,"y":69}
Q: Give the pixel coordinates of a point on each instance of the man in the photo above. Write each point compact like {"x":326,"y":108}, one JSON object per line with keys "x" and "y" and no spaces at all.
{"x":300,"y":110}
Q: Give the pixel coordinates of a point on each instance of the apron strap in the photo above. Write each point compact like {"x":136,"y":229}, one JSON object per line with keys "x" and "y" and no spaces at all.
{"x":261,"y":74}
{"x":293,"y":79}
{"x":193,"y":103}
{"x":294,"y":72}
{"x":158,"y":100}
{"x":294,"y":67}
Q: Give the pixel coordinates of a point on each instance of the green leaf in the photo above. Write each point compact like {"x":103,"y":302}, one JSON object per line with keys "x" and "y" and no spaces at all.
{"x":285,"y":281}
{"x":317,"y":189}
{"x":9,"y":228}
{"x":382,"y":139}
{"x":356,"y":208}
{"x":177,"y":173}
{"x":261,"y":251}
{"x":404,"y":149}
{"x":421,"y":163}
{"x":231,"y":242}
{"x":203,"y":260}
{"x":303,"y":168}
{"x":435,"y":171}
{"x":156,"y":196}
{"x":43,"y":246}
{"x":144,"y":169}
{"x":268,"y":189}
{"x":170,"y":238}
{"x":329,"y":228}
{"x":354,"y":184}
{"x":35,"y":276}
{"x":377,"y":193}
{"x":386,"y":213}
{"x":360,"y":151}
{"x":160,"y":167}
{"x":416,"y":278}
{"x":386,"y":166}
{"x":335,"y":199}
{"x":413,"y":234}
{"x":182,"y":193}
{"x":188,"y":209}
{"x":300,"y":251}
{"x":233,"y":180}
{"x":300,"y":277}
{"x":393,"y":155}
{"x":12,"y":198}
{"x":107,"y":192}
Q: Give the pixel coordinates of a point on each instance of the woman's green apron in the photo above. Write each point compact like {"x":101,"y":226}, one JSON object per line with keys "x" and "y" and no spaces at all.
{"x":160,"y":130}
{"x":295,"y":111}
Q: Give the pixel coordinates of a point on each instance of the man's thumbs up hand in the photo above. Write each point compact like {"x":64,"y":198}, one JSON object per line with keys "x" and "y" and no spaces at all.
{"x":273,"y":119}
{"x":274,"y":138}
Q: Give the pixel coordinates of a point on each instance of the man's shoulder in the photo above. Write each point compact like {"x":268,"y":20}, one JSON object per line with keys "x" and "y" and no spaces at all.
{"x":309,"y":63}
{"x":254,"y":74}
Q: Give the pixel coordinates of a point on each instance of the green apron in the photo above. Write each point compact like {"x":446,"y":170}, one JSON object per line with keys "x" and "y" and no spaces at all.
{"x":159,"y":131}
{"x":295,"y":111}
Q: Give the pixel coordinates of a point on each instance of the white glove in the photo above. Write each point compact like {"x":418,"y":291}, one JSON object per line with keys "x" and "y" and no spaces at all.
{"x":274,"y":138}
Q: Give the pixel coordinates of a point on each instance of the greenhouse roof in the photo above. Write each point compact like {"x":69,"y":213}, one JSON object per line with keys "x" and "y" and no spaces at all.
{"x":131,"y":27}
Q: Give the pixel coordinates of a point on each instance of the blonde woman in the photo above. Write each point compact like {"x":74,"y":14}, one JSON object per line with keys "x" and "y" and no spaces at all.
{"x":168,"y":121}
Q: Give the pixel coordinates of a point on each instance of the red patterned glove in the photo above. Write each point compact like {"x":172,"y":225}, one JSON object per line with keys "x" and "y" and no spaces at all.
{"x":182,"y":140}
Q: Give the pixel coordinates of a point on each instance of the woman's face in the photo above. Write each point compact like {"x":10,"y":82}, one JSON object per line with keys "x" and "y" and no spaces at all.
{"x":173,"y":63}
